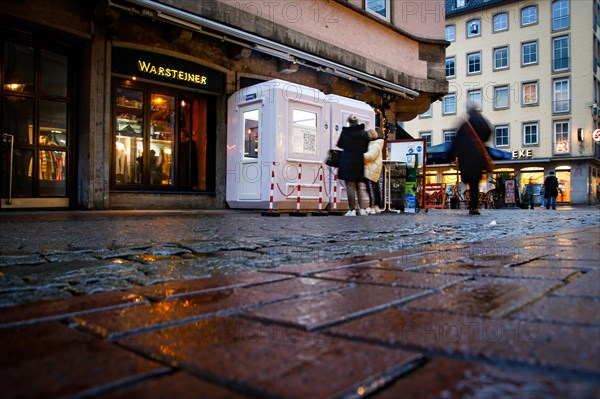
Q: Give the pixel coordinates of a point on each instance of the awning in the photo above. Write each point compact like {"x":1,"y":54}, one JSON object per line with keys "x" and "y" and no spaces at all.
{"x":441,"y":154}
{"x":402,"y":134}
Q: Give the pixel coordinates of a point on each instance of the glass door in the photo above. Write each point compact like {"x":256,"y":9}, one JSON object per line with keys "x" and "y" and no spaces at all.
{"x":36,"y":139}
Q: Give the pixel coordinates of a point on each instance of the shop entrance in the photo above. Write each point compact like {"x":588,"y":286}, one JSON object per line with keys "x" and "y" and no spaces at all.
{"x":162,"y":139}
{"x":37,"y":138}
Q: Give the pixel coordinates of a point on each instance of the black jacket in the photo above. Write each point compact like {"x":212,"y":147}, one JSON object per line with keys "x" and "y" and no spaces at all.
{"x":354,"y":141}
{"x":550,"y":186}
{"x":471,"y":161}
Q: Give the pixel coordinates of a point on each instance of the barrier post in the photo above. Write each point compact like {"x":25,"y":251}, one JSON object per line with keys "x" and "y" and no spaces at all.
{"x":271,"y":212}
{"x":335,"y":212}
{"x":320,"y":212}
{"x":298,"y":212}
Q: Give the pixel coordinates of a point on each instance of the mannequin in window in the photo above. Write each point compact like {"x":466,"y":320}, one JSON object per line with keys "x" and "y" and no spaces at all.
{"x":164,"y":162}
{"x":47,"y":160}
{"x":120,"y":162}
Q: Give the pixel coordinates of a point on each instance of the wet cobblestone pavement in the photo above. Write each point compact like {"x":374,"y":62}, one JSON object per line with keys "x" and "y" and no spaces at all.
{"x":226,"y":304}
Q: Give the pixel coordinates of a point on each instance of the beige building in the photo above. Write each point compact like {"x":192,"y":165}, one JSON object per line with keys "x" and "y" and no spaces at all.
{"x":122,"y":104}
{"x":532,"y":68}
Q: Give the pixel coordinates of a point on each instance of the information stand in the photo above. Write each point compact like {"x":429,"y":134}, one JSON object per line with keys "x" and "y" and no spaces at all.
{"x":411,"y":154}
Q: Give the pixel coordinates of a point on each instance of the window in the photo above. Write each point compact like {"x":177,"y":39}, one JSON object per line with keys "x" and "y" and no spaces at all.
{"x":449,"y":104}
{"x":460,"y":3}
{"x":530,"y":133}
{"x":450,"y":33}
{"x":427,"y":137}
{"x":155,"y":144}
{"x":530,"y":93}
{"x":561,"y":96}
{"x":449,"y":136}
{"x":501,"y":136}
{"x":561,"y":138}
{"x":560,"y":53}
{"x":36,"y":109}
{"x":500,"y":22}
{"x":529,"y":53}
{"x":501,"y":97}
{"x":474,"y":99}
{"x":560,"y":14}
{"x":474,"y":28}
{"x":473,"y":63}
{"x":529,"y":15}
{"x":501,"y":58}
{"x":380,"y":8}
{"x":451,"y":67}
{"x":428,"y":113}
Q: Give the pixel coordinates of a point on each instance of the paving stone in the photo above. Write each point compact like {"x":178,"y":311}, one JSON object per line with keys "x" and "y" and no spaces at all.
{"x":548,"y":263}
{"x":154,"y":315}
{"x":188,"y":287}
{"x":562,"y":309}
{"x":585,"y":285}
{"x":50,"y":360}
{"x":467,"y":268}
{"x":577,"y":253}
{"x":331,"y":307}
{"x":484,"y":296}
{"x":64,"y":308}
{"x":306,"y":269}
{"x":448,"y":378}
{"x":173,"y":386}
{"x":391,"y":277}
{"x":516,"y":341}
{"x":274,"y":361}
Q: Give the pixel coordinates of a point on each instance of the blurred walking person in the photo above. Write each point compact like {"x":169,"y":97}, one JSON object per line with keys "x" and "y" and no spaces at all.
{"x":354,"y":142}
{"x":472,"y":155}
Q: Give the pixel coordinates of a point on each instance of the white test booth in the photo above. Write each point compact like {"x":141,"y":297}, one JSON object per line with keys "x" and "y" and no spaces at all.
{"x":290,"y":125}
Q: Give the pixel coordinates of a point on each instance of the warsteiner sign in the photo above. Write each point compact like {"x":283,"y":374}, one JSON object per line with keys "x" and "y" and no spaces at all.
{"x":141,"y":64}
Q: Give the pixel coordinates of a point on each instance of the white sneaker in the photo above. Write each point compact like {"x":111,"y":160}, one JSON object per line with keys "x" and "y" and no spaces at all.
{"x":376,"y":209}
{"x":350,"y":213}
{"x":370,"y":211}
{"x":362,"y":212}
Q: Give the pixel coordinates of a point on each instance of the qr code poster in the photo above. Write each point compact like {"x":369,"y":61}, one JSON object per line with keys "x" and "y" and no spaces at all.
{"x":304,"y":141}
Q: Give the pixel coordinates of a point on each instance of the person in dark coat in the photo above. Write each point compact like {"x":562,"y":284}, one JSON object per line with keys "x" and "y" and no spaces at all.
{"x":354,"y":141}
{"x":472,"y":154}
{"x":550,"y":190}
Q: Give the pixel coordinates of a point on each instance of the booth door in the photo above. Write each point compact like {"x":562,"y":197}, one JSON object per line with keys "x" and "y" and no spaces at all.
{"x":250,"y":168}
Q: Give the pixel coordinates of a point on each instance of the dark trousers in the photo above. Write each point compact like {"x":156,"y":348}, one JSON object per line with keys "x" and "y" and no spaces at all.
{"x":374,"y":193}
{"x":474,"y":192}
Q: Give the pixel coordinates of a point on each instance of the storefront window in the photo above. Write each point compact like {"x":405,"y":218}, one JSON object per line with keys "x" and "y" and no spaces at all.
{"x":563,"y":175}
{"x":161,"y":140}
{"x":36,"y":107}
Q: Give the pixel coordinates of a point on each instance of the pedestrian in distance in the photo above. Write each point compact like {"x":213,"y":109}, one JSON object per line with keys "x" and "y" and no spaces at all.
{"x":373,"y":159}
{"x":551,"y":190}
{"x":354,"y":142}
{"x":472,"y":155}
{"x":530,"y":189}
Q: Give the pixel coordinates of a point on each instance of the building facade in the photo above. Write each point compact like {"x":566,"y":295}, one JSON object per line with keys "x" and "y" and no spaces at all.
{"x":122,"y":104}
{"x":532,"y":68}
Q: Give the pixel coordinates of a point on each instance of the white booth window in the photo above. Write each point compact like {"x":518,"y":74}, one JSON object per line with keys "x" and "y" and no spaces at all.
{"x":304,"y":134}
{"x":251,"y":134}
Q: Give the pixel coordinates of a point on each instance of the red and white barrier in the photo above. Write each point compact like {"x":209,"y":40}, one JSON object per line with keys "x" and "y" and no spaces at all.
{"x":320,"y":212}
{"x":271,"y":211}
{"x":298,"y":212}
